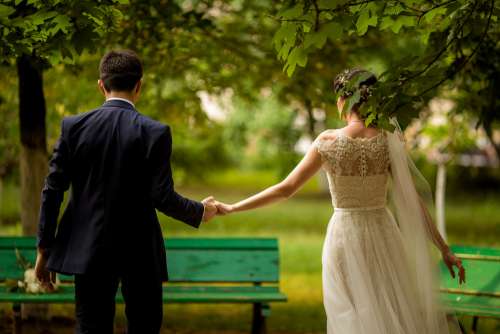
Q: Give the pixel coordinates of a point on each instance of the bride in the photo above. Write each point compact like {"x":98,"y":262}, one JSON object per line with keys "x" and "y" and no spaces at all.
{"x":378,"y":272}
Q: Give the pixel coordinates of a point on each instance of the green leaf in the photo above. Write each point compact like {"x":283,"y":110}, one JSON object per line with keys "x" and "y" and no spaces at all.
{"x":21,"y":260}
{"x":62,"y":23}
{"x":370,"y":118}
{"x":292,"y":13}
{"x":297,"y":56}
{"x":333,"y":30}
{"x":317,"y":39}
{"x":359,"y":78}
{"x":331,"y":4}
{"x":351,"y":101}
{"x":6,"y":10}
{"x":394,"y":9}
{"x":401,"y":21}
{"x":284,"y":51}
{"x":365,"y":20}
{"x":429,"y":16}
{"x":386,"y":23}
{"x":287,"y":32}
{"x":122,"y":2}
{"x":40,"y":17}
{"x":306,"y":27}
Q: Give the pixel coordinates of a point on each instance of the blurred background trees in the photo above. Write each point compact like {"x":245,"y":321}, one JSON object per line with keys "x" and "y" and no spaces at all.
{"x":35,"y":35}
{"x":246,"y":84}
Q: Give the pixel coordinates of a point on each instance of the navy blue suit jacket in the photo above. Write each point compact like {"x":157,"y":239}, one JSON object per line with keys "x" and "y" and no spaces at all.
{"x":117,"y":163}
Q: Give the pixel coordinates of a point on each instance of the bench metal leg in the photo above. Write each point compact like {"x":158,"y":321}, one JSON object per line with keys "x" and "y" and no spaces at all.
{"x":17,"y":319}
{"x":475,"y":321}
{"x":462,"y":328}
{"x":260,"y":313}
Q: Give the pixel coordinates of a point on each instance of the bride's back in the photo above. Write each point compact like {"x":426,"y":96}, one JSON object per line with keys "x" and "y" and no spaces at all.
{"x":357,"y":164}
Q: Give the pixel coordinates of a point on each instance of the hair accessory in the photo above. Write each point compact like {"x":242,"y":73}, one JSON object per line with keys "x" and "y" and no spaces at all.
{"x":354,"y":85}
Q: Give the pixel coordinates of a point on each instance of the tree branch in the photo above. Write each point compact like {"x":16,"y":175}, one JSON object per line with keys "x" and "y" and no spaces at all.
{"x":461,"y":66}
{"x":443,"y":50}
{"x":344,"y":6}
{"x":316,"y":24}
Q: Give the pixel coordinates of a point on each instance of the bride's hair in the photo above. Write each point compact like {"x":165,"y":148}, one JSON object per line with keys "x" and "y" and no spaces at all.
{"x":342,"y":87}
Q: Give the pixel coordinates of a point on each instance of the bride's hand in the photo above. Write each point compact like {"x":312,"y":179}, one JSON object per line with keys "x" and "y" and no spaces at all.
{"x":451,"y":260}
{"x":223,"y":208}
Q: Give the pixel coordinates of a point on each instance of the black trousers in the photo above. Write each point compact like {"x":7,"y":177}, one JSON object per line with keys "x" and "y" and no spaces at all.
{"x":95,"y":302}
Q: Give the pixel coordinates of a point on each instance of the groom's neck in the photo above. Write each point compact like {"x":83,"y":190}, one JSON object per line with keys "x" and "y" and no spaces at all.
{"x":122,"y":95}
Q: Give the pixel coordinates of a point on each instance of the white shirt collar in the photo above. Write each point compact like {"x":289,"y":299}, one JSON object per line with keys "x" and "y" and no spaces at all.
{"x":121,"y":99}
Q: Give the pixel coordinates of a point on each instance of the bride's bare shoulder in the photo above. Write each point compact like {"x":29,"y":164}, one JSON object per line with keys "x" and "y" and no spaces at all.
{"x":330,"y":134}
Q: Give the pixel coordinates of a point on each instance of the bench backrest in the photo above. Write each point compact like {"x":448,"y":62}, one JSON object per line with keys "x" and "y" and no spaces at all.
{"x":482,"y":267}
{"x":248,"y":260}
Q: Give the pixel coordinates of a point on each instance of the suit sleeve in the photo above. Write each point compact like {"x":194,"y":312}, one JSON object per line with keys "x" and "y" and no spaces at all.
{"x":164,"y":196}
{"x":56,"y":183}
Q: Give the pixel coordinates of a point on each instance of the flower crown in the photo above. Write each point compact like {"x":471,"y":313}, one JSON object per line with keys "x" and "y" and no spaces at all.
{"x":355,"y":84}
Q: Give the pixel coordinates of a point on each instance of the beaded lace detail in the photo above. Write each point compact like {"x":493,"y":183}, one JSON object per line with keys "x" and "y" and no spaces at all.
{"x":357,"y":169}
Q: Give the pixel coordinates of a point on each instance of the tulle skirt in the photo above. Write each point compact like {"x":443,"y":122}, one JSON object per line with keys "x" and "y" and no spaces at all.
{"x":367,"y":287}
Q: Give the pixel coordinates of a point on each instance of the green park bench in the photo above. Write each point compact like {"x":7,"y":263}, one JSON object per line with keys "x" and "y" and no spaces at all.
{"x":235,"y":270}
{"x":480,"y":296}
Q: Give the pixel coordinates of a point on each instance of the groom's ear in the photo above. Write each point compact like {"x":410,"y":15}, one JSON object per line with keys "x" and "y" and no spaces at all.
{"x":137,"y":88}
{"x":101,"y":87}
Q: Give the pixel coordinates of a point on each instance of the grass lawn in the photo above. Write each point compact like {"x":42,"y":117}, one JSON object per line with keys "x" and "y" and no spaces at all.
{"x":299,"y":224}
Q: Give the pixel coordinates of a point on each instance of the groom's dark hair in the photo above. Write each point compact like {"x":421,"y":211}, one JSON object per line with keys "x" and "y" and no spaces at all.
{"x":120,"y":70}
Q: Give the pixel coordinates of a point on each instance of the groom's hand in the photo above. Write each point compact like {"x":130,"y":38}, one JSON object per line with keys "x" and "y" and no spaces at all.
{"x":210,"y":208}
{"x":46,"y":278}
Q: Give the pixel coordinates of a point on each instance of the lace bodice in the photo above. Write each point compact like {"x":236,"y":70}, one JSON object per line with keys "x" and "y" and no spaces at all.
{"x":357,"y":168}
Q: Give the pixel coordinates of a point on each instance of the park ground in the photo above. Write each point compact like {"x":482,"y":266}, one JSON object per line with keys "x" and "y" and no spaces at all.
{"x":299,"y":224}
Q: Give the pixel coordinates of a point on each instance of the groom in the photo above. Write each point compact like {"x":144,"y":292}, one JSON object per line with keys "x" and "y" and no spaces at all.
{"x":117,"y":162}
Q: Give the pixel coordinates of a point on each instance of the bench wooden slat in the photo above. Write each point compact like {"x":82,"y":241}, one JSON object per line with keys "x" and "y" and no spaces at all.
{"x":473,"y":250}
{"x":479,"y":306}
{"x":171,"y":294}
{"x":189,"y":260}
{"x":183,"y":243}
{"x":223,"y":265}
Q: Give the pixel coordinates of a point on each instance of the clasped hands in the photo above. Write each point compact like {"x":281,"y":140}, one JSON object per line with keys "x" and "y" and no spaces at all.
{"x":215,"y":208}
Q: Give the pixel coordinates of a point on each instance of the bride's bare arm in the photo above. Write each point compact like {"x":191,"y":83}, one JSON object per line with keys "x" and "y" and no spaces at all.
{"x":449,"y":258}
{"x":432,"y":230}
{"x":309,"y":165}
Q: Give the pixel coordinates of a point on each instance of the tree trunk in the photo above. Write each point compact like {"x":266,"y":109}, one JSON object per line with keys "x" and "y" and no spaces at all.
{"x":440,"y":198}
{"x":1,"y":198}
{"x":489,"y":134}
{"x":33,"y":155}
{"x":311,"y":130}
{"x":311,"y":121}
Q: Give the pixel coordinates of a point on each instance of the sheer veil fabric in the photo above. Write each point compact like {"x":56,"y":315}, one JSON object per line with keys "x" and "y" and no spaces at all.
{"x":378,"y":273}
{"x":409,"y":191}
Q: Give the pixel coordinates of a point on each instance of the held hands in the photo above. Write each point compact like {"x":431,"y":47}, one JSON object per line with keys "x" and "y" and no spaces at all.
{"x":210,"y":208}
{"x":213,"y":208}
{"x":451,"y":260}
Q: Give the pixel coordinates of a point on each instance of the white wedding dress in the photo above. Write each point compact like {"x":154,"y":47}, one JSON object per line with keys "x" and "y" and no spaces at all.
{"x":369,"y":286}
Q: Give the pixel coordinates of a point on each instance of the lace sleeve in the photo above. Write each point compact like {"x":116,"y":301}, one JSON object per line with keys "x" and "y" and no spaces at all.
{"x":324,"y":145}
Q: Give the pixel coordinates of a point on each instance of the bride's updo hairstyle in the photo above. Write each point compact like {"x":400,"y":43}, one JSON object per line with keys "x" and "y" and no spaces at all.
{"x":349,"y":81}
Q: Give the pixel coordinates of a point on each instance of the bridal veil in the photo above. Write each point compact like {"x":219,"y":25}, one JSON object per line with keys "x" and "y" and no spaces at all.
{"x":409,"y":192}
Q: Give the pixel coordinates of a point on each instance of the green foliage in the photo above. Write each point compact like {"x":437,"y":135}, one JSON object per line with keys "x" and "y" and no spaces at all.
{"x":54,"y":30}
{"x":450,"y":33}
{"x":263,"y":135}
{"x":9,"y":124}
